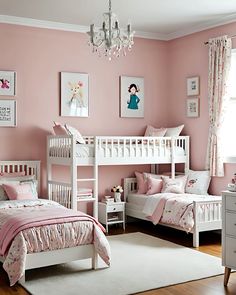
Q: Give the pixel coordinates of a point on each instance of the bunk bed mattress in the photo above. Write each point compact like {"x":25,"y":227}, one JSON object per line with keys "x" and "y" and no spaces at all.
{"x":108,"y":151}
{"x":44,"y":236}
{"x":177,"y":209}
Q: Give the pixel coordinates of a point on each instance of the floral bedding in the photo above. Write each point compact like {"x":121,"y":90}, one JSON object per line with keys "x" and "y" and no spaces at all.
{"x":51,"y":236}
{"x":175,"y":209}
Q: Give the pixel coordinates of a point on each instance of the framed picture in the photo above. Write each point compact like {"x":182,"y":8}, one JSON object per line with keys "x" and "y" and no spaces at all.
{"x":192,"y":107}
{"x":131,"y":97}
{"x":7,"y":83}
{"x":7,"y":113}
{"x":193,"y":86}
{"x":74,"y":94}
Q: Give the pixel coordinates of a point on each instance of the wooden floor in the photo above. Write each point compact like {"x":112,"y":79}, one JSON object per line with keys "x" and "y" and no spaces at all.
{"x":209,"y":243}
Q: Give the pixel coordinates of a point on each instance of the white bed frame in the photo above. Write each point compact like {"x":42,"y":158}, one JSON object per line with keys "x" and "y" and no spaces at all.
{"x":209,"y":222}
{"x":46,"y":258}
{"x":61,"y":150}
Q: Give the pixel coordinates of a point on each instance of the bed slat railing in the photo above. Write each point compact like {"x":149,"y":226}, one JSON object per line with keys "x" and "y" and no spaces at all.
{"x":60,"y":193}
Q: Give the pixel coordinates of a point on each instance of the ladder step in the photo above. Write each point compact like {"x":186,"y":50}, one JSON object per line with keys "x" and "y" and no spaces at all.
{"x":86,"y":179}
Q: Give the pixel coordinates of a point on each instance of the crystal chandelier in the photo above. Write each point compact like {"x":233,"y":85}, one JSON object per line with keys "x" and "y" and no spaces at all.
{"x":110,"y":40}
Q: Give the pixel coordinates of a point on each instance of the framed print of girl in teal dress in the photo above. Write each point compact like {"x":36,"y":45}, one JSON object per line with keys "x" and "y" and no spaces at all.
{"x":132,"y":97}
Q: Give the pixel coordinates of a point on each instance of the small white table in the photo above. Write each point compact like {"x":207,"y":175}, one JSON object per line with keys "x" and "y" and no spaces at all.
{"x":111,"y":213}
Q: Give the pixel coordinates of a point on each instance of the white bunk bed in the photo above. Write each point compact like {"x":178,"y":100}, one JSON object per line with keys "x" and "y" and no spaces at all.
{"x":46,"y":258}
{"x":207,"y":214}
{"x":108,"y":150}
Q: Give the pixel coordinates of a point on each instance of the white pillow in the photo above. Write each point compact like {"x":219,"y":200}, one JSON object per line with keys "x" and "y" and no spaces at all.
{"x":198,"y":182}
{"x":73,"y":131}
{"x":176,"y":185}
{"x":174,"y":131}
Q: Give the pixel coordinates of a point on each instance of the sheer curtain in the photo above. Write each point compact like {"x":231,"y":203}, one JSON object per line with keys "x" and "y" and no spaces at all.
{"x":219,"y":65}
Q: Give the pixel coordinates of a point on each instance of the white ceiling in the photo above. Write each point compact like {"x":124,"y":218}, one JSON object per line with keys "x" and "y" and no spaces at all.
{"x":158,"y":19}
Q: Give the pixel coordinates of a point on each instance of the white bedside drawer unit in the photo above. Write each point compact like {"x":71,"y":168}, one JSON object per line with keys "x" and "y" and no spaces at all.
{"x":113,"y":213}
{"x":228,"y":233}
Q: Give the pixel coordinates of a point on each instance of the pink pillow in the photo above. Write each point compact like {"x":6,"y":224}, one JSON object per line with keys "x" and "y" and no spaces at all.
{"x":12,"y":174}
{"x":141,"y":182}
{"x":176,"y":186}
{"x":151,"y":131}
{"x":154,"y":185}
{"x":59,"y":129}
{"x":21,"y":191}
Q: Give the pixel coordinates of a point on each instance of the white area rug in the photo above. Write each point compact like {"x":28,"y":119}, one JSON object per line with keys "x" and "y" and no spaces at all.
{"x":139,"y":262}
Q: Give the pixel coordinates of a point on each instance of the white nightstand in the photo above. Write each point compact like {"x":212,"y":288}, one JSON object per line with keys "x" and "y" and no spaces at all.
{"x":112,"y":213}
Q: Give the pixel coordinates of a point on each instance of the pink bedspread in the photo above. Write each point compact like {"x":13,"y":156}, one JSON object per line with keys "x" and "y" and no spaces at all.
{"x":42,"y":225}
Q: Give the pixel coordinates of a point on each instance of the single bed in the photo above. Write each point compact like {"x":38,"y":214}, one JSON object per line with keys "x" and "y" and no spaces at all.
{"x":28,"y":229}
{"x":187,"y":212}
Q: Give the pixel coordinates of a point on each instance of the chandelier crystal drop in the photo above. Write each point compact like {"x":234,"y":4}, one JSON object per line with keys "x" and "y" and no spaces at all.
{"x":110,"y":40}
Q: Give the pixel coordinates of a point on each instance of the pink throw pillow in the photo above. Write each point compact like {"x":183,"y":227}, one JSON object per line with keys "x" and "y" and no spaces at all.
{"x":12,"y":174}
{"x":158,"y":132}
{"x":59,"y":129}
{"x":141,"y":182}
{"x":176,"y":186}
{"x":154,"y":185}
{"x":21,"y":191}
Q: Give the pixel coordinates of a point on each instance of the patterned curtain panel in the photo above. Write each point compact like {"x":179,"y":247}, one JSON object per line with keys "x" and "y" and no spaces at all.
{"x":219,"y":65}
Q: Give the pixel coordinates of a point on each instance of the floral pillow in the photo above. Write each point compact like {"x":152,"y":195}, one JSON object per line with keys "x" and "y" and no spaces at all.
{"x":198,"y":182}
{"x":21,"y":191}
{"x":158,"y":132}
{"x":176,"y":185}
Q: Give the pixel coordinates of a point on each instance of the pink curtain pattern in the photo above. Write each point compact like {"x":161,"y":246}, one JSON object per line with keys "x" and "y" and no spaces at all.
{"x":219,"y":65}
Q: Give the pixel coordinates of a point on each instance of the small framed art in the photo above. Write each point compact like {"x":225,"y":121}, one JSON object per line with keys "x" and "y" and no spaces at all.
{"x":7,"y":83}
{"x":192,"y":106}
{"x":131,"y":97}
{"x":74,"y":94}
{"x":7,"y":113}
{"x":193,"y":86}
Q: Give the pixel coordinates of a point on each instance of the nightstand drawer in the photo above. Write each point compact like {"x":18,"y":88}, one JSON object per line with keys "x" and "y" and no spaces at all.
{"x":230,"y":203}
{"x":230,"y":224}
{"x":115,"y":208}
{"x":230,"y":251}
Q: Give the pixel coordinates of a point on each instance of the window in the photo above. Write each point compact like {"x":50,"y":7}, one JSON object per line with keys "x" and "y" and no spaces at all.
{"x":229,"y":128}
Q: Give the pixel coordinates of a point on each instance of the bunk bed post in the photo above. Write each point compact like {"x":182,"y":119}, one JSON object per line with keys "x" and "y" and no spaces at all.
{"x":95,"y":176}
{"x":173,"y":141}
{"x":195,"y":228}
{"x":186,"y":166}
{"x":49,"y":167}
{"x":73,"y":173}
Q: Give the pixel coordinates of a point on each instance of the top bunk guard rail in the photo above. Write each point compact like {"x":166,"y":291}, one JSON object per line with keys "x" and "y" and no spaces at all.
{"x":115,"y":150}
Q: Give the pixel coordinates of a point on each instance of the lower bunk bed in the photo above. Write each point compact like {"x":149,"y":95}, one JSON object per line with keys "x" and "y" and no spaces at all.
{"x":37,"y":232}
{"x":187,"y":212}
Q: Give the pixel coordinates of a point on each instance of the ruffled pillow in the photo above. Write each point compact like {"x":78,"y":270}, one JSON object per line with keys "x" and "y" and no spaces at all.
{"x":176,"y":185}
{"x":154,"y":185}
{"x":59,"y":129}
{"x":73,"y":131}
{"x":141,"y":183}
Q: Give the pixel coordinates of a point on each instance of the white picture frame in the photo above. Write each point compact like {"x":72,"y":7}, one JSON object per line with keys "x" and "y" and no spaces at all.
{"x":131,"y":97}
{"x":8,"y":83}
{"x":192,"y":107}
{"x":74,"y":94}
{"x":7,"y":113}
{"x":193,"y":86}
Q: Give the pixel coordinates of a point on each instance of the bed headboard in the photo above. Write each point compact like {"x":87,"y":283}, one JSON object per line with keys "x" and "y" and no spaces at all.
{"x":31,"y":168}
{"x":130,"y":185}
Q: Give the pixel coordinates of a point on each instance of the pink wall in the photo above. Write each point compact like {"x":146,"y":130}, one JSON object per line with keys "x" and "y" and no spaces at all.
{"x":39,"y":55}
{"x":188,"y":56}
